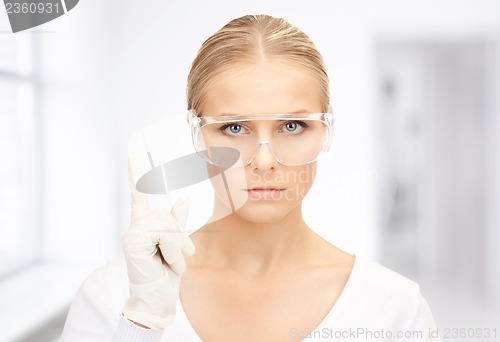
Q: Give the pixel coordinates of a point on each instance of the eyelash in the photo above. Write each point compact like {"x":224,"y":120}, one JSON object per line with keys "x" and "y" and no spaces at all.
{"x":225,"y":126}
{"x":301,"y":123}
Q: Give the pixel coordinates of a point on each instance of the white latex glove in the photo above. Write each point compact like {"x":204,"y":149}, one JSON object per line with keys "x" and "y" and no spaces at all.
{"x":154,"y":246}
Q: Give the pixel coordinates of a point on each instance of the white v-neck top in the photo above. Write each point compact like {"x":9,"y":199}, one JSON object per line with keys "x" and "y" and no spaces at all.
{"x":376,"y":304}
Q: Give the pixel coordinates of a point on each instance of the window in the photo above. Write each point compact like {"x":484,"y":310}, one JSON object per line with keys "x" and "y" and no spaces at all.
{"x":19,"y":212}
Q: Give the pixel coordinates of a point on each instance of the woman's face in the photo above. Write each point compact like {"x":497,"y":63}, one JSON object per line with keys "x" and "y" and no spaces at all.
{"x":272,"y":190}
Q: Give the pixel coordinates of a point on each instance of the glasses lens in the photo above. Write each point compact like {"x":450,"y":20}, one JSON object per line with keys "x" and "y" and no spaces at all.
{"x":299,"y":142}
{"x":294,"y":141}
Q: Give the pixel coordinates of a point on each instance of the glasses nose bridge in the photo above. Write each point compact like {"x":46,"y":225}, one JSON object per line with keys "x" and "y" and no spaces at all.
{"x":258,"y":148}
{"x":262,"y":136}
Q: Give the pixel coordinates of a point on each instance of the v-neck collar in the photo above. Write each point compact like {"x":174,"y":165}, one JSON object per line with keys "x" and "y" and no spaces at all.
{"x":337,"y":307}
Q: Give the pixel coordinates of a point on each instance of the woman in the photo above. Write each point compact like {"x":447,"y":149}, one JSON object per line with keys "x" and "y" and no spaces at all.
{"x":259,"y":86}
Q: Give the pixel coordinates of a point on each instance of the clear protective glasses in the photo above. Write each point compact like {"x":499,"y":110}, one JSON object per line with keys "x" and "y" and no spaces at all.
{"x":293,"y":139}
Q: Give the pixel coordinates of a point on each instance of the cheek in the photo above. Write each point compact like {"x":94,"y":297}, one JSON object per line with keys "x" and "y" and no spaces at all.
{"x":306,"y":174}
{"x":302,"y":180}
{"x":229,"y":187}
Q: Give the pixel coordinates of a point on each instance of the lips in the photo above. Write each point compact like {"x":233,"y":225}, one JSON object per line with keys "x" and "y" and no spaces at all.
{"x":264,"y":193}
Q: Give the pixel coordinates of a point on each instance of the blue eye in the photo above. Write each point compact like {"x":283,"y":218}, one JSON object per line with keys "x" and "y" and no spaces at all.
{"x":294,"y":127}
{"x":232,"y":129}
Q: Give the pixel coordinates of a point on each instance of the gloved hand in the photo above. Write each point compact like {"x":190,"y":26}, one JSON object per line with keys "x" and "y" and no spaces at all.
{"x":154,"y":247}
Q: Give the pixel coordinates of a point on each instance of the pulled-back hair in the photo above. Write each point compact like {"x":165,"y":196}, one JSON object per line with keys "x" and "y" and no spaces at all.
{"x":249,"y":40}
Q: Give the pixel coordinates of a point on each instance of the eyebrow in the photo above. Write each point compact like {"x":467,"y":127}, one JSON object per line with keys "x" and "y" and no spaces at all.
{"x":302,"y":111}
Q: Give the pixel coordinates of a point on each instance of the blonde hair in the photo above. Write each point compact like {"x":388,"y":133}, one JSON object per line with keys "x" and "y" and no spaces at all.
{"x":250,"y":39}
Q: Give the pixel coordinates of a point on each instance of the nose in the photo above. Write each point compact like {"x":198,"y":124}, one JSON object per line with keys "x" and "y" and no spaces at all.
{"x":263,"y":157}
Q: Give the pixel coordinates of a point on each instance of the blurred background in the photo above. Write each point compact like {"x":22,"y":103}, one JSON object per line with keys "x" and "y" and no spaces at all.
{"x":412,"y":180}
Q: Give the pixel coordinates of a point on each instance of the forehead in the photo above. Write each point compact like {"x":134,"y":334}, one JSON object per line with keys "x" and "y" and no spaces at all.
{"x":264,"y":88}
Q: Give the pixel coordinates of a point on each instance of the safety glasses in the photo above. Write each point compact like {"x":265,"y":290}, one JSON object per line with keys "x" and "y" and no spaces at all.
{"x":293,"y":139}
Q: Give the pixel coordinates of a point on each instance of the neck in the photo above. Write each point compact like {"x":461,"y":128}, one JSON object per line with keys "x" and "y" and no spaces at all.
{"x":255,"y":248}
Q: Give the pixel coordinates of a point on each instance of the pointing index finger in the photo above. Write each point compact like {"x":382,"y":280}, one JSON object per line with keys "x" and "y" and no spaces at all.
{"x":137,"y":166}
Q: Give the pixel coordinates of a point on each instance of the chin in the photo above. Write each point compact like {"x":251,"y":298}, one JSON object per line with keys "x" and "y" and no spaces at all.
{"x":264,"y":212}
